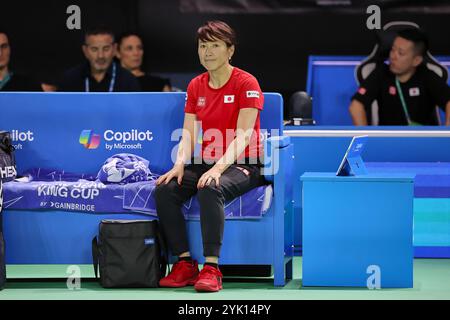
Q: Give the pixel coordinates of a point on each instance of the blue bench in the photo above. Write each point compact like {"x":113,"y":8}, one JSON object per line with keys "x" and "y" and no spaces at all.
{"x":46,"y":128}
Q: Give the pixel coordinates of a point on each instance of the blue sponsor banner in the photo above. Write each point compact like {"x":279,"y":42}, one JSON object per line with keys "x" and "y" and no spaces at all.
{"x":76,"y":132}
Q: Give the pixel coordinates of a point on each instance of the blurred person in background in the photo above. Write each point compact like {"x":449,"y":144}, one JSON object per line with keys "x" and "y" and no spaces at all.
{"x":406,"y":91}
{"x":9,"y":80}
{"x":131,"y":53}
{"x":100,"y":73}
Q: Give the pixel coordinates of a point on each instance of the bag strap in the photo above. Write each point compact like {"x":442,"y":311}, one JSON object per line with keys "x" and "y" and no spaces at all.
{"x":165,"y":252}
{"x":95,"y":256}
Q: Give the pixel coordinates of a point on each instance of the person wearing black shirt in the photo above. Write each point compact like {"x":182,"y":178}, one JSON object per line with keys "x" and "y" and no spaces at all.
{"x":11,"y":81}
{"x":130,"y":53}
{"x":406,"y":91}
{"x":100,"y":73}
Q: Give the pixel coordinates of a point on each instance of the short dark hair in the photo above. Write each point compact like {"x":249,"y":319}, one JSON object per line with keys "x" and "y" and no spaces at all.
{"x":212,"y":30}
{"x":127,"y":34}
{"x":99,"y":30}
{"x":4,"y":31}
{"x":418,"y":37}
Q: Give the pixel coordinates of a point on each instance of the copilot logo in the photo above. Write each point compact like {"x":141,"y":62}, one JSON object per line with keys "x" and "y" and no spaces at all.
{"x":21,"y":136}
{"x":115,"y":140}
{"x":89,"y":139}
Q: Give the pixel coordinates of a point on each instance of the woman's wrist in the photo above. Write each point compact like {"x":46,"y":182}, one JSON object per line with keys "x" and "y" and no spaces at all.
{"x":221,"y":167}
{"x":178,"y":163}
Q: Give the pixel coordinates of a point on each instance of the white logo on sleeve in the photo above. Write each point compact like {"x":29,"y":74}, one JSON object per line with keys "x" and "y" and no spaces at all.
{"x":228,"y":99}
{"x":252,"y":94}
{"x":414,"y":92}
{"x":201,"y":101}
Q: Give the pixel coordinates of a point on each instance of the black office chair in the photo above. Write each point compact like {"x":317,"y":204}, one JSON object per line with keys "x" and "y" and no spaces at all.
{"x":380,"y":54}
{"x":300,"y":109}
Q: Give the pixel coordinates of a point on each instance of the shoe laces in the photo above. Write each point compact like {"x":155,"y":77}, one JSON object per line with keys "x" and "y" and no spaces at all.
{"x":209,"y":272}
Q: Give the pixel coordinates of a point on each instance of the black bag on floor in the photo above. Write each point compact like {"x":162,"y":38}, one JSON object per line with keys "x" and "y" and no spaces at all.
{"x":7,"y":160}
{"x":7,"y":173}
{"x":129,"y":253}
{"x":2,"y":242}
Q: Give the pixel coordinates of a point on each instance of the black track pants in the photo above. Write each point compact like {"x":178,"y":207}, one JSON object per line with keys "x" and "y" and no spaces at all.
{"x":235,"y":181}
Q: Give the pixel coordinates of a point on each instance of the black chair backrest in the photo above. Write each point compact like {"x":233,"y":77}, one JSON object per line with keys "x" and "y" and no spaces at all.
{"x":300,"y":105}
{"x":380,"y":52}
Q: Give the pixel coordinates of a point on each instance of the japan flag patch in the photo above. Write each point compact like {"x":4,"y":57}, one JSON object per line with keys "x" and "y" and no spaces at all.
{"x":392,"y":90}
{"x":362,"y":91}
{"x":414,"y":92}
{"x":228,"y":98}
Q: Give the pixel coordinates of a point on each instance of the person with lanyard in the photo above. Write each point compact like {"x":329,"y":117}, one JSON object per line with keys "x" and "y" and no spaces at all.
{"x":130,"y":52}
{"x":407,"y":92}
{"x":227,"y":101}
{"x":12,"y":81}
{"x":100,"y":73}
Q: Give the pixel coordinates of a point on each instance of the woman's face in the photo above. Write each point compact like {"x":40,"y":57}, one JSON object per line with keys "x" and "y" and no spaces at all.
{"x":214,"y":54}
{"x":131,"y":53}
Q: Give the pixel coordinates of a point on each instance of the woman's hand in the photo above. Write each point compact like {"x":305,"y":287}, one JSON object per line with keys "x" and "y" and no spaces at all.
{"x":210,"y":175}
{"x":176,"y":172}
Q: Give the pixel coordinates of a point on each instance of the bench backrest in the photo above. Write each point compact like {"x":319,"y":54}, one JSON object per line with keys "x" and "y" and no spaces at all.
{"x":77,"y":132}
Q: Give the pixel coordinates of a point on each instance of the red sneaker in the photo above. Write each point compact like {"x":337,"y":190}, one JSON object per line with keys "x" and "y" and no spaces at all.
{"x":183,"y":273}
{"x":209,"y":280}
